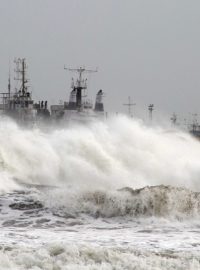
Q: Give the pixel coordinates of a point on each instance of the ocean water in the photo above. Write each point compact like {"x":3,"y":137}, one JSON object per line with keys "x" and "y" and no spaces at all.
{"x":109,"y":195}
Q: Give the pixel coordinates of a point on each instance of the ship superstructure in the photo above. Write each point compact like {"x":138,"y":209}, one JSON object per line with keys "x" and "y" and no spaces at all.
{"x":79,"y":108}
{"x":18,"y":104}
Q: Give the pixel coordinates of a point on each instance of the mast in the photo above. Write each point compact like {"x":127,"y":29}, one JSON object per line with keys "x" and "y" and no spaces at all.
{"x":174,"y":119}
{"x":194,"y":122}
{"x":81,"y":84}
{"x":9,"y":90}
{"x":23,"y":77}
{"x":129,"y":104}
{"x":9,"y":85}
{"x":151,"y":108}
{"x":20,"y":70}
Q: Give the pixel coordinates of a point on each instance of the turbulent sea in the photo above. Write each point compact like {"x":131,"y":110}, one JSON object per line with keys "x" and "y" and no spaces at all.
{"x":109,"y":196}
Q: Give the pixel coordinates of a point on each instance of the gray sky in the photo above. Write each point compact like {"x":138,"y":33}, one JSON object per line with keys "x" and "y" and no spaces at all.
{"x":148,"y":49}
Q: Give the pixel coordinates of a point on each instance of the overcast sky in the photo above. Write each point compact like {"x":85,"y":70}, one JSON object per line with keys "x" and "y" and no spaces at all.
{"x":146,"y":49}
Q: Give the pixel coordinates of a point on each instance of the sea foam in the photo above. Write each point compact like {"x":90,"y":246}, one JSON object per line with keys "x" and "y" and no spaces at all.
{"x":102,"y":155}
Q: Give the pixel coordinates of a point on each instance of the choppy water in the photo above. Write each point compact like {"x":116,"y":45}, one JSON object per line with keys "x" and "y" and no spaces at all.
{"x":114,"y":195}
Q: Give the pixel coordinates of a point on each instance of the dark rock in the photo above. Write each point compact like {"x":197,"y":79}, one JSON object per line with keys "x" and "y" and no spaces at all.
{"x":26,"y":206}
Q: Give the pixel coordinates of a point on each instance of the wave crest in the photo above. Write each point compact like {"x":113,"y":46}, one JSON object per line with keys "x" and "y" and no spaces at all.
{"x":150,"y":201}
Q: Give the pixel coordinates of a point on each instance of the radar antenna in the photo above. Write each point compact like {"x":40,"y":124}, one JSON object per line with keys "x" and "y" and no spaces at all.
{"x":81,"y":84}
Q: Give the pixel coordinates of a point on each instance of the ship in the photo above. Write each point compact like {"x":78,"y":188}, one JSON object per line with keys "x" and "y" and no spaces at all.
{"x":20,"y":106}
{"x":79,"y":109}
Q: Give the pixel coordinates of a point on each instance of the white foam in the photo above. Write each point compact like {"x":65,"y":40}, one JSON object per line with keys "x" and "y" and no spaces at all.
{"x":60,"y":256}
{"x":119,"y":152}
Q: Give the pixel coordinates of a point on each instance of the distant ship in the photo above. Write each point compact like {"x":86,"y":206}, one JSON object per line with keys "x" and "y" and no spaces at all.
{"x":79,"y":108}
{"x":20,"y":106}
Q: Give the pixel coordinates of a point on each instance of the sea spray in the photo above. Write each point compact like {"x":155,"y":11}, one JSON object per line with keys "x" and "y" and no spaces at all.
{"x":156,"y":201}
{"x":102,"y":155}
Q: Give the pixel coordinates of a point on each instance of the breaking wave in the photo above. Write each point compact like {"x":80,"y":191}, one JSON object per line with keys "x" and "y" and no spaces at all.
{"x":155,"y":201}
{"x":103,"y":155}
{"x":114,"y":180}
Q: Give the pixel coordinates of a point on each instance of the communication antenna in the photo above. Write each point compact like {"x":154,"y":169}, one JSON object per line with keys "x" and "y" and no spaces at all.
{"x":129,"y":104}
{"x":151,"y":108}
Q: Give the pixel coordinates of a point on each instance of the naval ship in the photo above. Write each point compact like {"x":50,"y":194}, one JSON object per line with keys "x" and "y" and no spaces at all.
{"x":79,"y":109}
{"x":20,"y":106}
